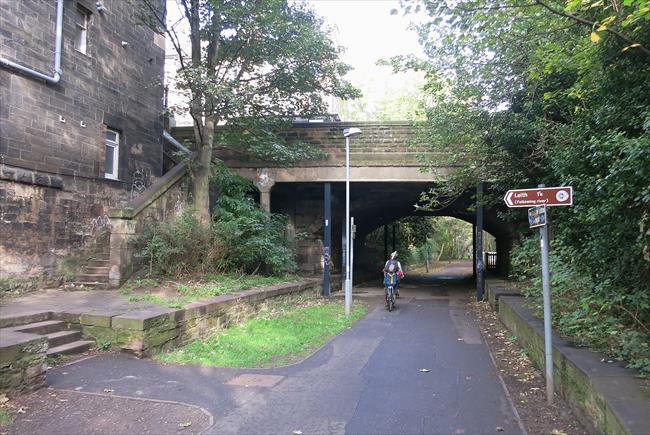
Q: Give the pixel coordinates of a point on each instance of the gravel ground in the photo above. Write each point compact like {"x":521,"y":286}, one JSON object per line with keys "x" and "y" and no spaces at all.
{"x":49,"y":411}
{"x":525,"y":383}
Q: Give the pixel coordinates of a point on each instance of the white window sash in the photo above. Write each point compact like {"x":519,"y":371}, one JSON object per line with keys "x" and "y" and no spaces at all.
{"x":116,"y":153}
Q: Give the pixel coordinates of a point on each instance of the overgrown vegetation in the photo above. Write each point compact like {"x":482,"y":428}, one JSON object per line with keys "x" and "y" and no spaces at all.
{"x":283,"y":332}
{"x":555,"y":93}
{"x":242,"y":238}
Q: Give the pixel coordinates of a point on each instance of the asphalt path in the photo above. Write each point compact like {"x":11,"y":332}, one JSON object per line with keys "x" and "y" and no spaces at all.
{"x":421,"y":369}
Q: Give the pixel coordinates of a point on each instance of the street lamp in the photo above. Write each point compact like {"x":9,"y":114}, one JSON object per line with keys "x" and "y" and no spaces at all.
{"x":347,"y":133}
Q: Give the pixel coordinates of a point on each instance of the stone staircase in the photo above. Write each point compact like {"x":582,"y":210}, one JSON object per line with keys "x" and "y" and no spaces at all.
{"x":94,"y":273}
{"x":61,"y":340}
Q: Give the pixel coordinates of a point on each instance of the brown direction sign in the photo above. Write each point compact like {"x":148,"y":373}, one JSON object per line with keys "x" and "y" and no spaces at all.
{"x":550,"y":196}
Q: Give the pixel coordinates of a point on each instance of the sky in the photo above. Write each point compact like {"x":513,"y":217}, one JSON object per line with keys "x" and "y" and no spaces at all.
{"x":367,"y":29}
{"x":368,"y":32}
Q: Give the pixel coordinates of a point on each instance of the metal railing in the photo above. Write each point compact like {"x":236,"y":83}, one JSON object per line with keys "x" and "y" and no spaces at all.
{"x":491,"y":260}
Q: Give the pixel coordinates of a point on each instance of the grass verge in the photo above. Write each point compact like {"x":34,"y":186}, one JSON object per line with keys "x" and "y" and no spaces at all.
{"x":282,"y":333}
{"x":5,"y":418}
{"x":177,"y":295}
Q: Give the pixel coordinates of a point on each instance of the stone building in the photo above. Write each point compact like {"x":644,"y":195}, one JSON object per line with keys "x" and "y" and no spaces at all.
{"x":81,"y":128}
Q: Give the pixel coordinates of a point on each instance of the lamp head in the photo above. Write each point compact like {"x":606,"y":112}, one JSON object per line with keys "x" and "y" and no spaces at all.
{"x":352,"y":131}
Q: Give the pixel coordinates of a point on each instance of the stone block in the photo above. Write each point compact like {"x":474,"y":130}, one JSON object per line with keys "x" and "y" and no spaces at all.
{"x":143,"y":320}
{"x":23,"y":319}
{"x":97,"y":319}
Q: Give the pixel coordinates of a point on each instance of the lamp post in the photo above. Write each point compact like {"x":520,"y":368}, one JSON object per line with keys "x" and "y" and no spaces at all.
{"x":353,"y":131}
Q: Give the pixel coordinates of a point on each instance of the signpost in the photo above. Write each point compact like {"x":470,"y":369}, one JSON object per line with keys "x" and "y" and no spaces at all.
{"x":549,"y":196}
{"x":540,"y":198}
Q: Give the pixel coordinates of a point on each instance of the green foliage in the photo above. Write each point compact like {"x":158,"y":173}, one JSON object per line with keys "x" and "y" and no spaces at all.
{"x":180,"y":246}
{"x":6,"y":419}
{"x":593,"y":313}
{"x":105,"y":345}
{"x":523,"y":94}
{"x":419,"y":237}
{"x":242,"y":238}
{"x":253,"y":238}
{"x":275,"y":337}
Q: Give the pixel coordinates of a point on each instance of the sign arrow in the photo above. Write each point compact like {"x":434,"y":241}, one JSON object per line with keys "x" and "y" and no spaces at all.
{"x":549,"y":196}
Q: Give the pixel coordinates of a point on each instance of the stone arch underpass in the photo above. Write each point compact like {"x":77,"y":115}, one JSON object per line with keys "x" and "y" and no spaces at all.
{"x":386,"y":180}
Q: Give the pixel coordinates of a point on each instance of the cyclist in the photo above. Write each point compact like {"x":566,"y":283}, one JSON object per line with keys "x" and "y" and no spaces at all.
{"x":394,"y":266}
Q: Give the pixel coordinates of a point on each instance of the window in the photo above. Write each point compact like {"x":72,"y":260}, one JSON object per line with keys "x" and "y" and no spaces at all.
{"x":112,"y":154}
{"x":81,"y":21}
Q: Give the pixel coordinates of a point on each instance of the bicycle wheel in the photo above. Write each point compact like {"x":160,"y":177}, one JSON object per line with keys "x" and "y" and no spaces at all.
{"x":391,"y":299}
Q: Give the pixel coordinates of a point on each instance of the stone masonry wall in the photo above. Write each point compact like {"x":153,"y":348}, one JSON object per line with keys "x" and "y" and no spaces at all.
{"x":53,"y":190}
{"x":380,"y":144}
{"x":22,"y":362}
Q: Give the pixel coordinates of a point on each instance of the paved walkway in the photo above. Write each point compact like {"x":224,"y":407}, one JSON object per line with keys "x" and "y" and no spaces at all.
{"x":367,"y":380}
{"x":77,"y":301}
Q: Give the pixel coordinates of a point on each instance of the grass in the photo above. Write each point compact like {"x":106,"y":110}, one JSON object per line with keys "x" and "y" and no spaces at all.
{"x":5,"y":418}
{"x":211,"y":285}
{"x":279,"y":335}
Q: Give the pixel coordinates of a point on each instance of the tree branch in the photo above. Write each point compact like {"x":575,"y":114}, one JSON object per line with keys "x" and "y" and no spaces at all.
{"x":591,"y":24}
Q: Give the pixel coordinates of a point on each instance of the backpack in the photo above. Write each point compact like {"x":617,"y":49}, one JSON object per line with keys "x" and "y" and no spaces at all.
{"x":391,"y":266}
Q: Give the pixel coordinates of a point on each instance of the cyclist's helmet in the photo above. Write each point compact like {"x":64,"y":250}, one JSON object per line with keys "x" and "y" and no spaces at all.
{"x":393,"y":255}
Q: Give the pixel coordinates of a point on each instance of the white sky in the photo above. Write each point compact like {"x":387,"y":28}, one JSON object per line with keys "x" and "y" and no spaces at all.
{"x":368,"y":30}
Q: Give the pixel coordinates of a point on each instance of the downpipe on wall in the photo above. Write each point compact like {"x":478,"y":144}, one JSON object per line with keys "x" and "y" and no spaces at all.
{"x":57,"y":53}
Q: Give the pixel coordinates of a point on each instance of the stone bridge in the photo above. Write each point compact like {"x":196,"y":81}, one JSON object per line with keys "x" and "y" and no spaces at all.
{"x":386,"y":182}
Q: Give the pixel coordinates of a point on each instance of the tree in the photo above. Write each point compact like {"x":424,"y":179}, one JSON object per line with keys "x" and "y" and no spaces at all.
{"x":556,"y":92}
{"x":249,"y":65}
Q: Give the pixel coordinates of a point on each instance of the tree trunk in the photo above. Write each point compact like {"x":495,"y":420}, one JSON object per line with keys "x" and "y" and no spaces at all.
{"x":201,"y":171}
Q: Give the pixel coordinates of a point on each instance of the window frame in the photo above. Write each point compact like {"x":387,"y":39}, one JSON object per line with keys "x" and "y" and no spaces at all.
{"x":81,"y":30}
{"x":116,"y":153}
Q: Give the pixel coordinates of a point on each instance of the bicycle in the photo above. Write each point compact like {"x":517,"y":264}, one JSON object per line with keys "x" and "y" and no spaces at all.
{"x":390,"y":280}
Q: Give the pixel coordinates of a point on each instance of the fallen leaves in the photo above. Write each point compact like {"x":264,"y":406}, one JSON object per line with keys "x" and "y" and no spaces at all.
{"x":424,"y":370}
{"x":185,"y":424}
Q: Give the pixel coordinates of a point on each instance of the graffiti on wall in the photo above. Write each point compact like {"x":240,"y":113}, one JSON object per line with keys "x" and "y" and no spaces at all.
{"x":140,"y":181}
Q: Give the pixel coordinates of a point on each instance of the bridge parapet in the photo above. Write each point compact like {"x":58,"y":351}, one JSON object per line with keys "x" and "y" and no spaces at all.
{"x":385,"y":151}
{"x":381,"y":144}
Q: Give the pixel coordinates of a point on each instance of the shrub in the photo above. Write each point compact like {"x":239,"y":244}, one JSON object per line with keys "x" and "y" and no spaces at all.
{"x":596,"y":314}
{"x":242,"y":238}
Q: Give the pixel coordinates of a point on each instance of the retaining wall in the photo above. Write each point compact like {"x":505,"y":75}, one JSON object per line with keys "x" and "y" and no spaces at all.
{"x":146,"y":333}
{"x":606,"y":397}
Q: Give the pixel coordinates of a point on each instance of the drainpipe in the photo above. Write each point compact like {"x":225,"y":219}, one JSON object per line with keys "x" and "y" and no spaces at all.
{"x":57,"y":53}
{"x":176,"y":143}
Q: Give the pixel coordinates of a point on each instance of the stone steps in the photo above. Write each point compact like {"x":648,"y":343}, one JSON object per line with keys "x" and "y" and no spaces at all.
{"x":73,"y":348}
{"x":42,"y":328}
{"x":96,"y":270}
{"x":61,"y":340}
{"x":91,"y":278}
{"x":62,"y":337}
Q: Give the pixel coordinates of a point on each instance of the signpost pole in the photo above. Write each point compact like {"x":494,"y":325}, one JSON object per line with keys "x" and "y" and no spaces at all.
{"x":480,"y":267}
{"x":327,"y":242}
{"x":354,"y":231}
{"x":548,"y":327}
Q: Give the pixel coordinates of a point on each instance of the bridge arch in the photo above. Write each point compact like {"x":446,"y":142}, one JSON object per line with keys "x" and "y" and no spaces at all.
{"x":386,"y":182}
